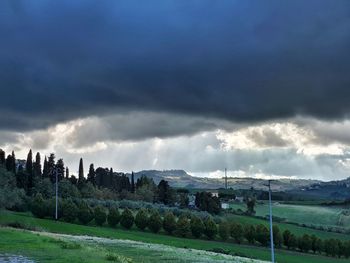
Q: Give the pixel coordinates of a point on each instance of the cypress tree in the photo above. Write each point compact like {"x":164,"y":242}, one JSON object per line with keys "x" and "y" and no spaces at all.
{"x":37,"y":166}
{"x":51,"y":167}
{"x":132,"y":183}
{"x":60,"y":169}
{"x":67,"y":172}
{"x":29,"y":169}
{"x":8,"y":163}
{"x":46,"y":168}
{"x":2,"y":157}
{"x":91,"y":177}
{"x":81,"y":171}
{"x":13,"y":164}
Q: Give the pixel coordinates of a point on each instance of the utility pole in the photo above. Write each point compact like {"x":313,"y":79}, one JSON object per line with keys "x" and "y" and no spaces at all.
{"x":271,"y":228}
{"x":225,"y":178}
{"x":56,"y":215}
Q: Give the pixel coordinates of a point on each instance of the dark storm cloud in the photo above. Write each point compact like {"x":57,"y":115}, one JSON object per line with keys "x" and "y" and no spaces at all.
{"x":233,"y":60}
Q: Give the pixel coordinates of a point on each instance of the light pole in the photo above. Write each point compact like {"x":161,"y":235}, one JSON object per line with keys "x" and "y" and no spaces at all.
{"x":56,"y":216}
{"x":271,"y":228}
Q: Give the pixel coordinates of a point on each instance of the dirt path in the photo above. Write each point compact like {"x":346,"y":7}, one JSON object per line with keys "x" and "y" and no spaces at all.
{"x":185,"y":255}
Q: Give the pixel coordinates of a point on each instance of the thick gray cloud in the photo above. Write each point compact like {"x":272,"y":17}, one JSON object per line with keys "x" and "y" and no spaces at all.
{"x":232,"y":60}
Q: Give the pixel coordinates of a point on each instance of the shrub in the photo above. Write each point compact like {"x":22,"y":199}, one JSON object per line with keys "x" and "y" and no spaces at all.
{"x":249,"y":233}
{"x":262,"y":235}
{"x":236,"y":230}
{"x":113,"y":217}
{"x":127,"y":219}
{"x":210,"y":228}
{"x":169,"y":223}
{"x":39,"y":206}
{"x":183,"y":228}
{"x":224,"y":230}
{"x":85,"y":213}
{"x":277,"y":237}
{"x":197,"y":226}
{"x":69,"y":211}
{"x":100,"y":215}
{"x":155,"y":222}
{"x":141,"y":219}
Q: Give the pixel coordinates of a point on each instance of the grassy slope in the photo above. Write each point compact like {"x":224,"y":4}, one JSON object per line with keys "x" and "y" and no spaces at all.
{"x":255,"y":252}
{"x":309,"y":214}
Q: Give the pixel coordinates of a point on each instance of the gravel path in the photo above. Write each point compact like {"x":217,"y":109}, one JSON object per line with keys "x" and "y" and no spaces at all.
{"x":187,"y":255}
{"x":6,"y":258}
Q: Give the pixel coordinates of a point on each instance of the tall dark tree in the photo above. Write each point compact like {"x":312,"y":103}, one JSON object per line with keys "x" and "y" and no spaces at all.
{"x":8,"y":162}
{"x":67,"y":172}
{"x":91,"y":177}
{"x":51,"y":167}
{"x":81,"y":178}
{"x":132,"y":183}
{"x":46,"y":168}
{"x":165,"y":193}
{"x":60,"y":169}
{"x":13,"y":168}
{"x":37,"y":166}
{"x":2,"y":157}
{"x":29,"y":169}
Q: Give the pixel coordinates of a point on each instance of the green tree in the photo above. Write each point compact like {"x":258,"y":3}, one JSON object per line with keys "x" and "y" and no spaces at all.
{"x":224,"y":230}
{"x":141,"y":219}
{"x":127,"y":219}
{"x":286,"y":238}
{"x":210,"y":228}
{"x":37,"y":167}
{"x":39,"y":206}
{"x":250,"y":202}
{"x":304,"y":243}
{"x":169,"y":223}
{"x":316,"y":244}
{"x":59,"y":169}
{"x":237,"y":232}
{"x":81,"y":178}
{"x":91,"y":177}
{"x":155,"y":222}
{"x":100,"y":215}
{"x":249,"y":233}
{"x":67,"y":190}
{"x":113,"y":217}
{"x":85,"y":213}
{"x":165,"y":193}
{"x":51,"y":167}
{"x":29,"y":169}
{"x":197,"y":226}
{"x":69,"y":210}
{"x":46,"y":169}
{"x":132,"y":183}
{"x":347,"y":249}
{"x":2,"y":157}
{"x":277,"y":236}
{"x":183,"y":228}
{"x":262,"y":235}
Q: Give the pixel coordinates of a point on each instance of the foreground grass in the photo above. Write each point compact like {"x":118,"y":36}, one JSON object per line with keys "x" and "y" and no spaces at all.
{"x":282,"y":256}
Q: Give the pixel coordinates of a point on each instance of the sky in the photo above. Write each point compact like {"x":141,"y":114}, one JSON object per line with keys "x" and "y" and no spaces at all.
{"x":259,"y":87}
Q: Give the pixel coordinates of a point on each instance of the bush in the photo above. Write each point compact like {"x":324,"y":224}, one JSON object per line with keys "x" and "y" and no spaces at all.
{"x":113,"y":217}
{"x":249,"y":233}
{"x":39,"y":206}
{"x":127,"y":219}
{"x":210,"y":228}
{"x":85,"y":213}
{"x":183,"y":228}
{"x":169,"y":223}
{"x":224,"y":230}
{"x":197,"y":226}
{"x":262,"y":235}
{"x":69,"y":211}
{"x":236,"y":230}
{"x":155,"y":222}
{"x":141,"y":219}
{"x":100,"y":215}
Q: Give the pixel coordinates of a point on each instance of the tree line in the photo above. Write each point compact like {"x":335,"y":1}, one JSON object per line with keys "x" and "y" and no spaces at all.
{"x":188,"y":225}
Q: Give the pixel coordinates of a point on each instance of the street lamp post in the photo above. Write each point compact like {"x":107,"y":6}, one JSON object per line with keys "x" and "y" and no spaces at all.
{"x":271,"y":228}
{"x":56,"y":215}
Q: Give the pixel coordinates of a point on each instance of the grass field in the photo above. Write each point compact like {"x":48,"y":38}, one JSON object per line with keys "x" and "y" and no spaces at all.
{"x":304,"y":214}
{"x":282,"y":256}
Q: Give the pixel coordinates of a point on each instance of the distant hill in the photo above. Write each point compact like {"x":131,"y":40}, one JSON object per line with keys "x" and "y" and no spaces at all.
{"x":180,"y":178}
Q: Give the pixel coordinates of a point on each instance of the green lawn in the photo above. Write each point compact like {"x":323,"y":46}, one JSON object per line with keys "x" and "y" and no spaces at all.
{"x":282,"y":256}
{"x":303,"y":214}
